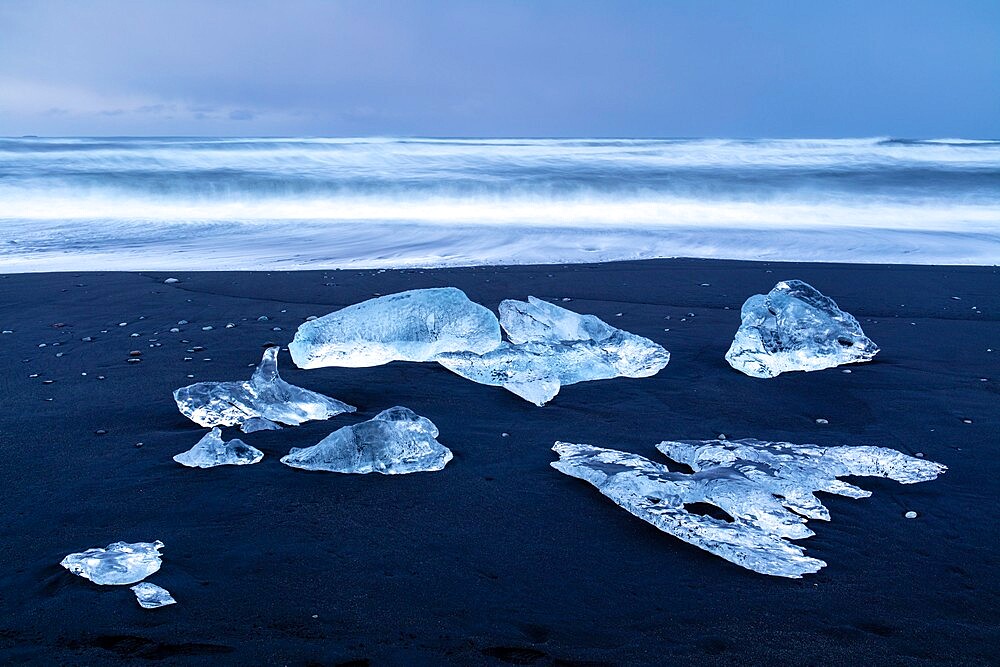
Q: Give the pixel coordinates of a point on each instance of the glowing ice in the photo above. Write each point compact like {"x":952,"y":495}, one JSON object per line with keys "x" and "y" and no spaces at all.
{"x":265,"y":395}
{"x":550,"y":347}
{"x":756,"y":483}
{"x":212,"y":451}
{"x":119,"y":563}
{"x":394,"y":442}
{"x":795,"y":328}
{"x":409,"y":326}
{"x":151,"y":596}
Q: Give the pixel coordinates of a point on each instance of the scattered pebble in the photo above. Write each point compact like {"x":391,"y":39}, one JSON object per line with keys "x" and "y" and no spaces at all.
{"x":58,"y":325}
{"x":42,"y":344}
{"x":59,"y":354}
{"x":911,"y":515}
{"x":230,"y":325}
{"x":135,"y":353}
{"x":182,"y":323}
{"x":822,"y":421}
{"x":618,"y":314}
{"x":966,"y":421}
{"x":7,"y":331}
{"x":308,"y":319}
{"x":276,"y":329}
{"x":919,"y":455}
{"x":87,"y":339}
{"x":135,"y":335}
{"x":957,"y":298}
{"x":504,"y":434}
{"x":722,"y":436}
{"x":197,"y":348}
{"x":208,"y":328}
{"x":133,"y":360}
{"x":123,"y":324}
{"x":566,"y":298}
{"x":190,"y":358}
{"x":846,"y":370}
{"x":190,"y":376}
{"x":170,"y":281}
{"x":100,"y":431}
{"x":705,"y":285}
{"x":262,"y":318}
{"x":33,"y":375}
{"x":100,"y":377}
{"x":47,"y":381}
{"x":175,"y":330}
{"x":138,"y":444}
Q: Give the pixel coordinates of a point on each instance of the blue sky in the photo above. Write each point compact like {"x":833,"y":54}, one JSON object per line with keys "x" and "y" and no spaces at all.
{"x":807,"y":68}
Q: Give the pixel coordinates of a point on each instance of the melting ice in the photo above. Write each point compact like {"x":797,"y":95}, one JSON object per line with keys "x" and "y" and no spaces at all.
{"x":120,"y":563}
{"x":151,"y":596}
{"x":394,"y":442}
{"x":767,"y":488}
{"x":796,"y":328}
{"x":213,"y":451}
{"x":265,"y":396}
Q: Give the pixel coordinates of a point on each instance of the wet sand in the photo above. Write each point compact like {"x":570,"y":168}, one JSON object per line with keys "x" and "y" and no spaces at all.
{"x":497,"y":559}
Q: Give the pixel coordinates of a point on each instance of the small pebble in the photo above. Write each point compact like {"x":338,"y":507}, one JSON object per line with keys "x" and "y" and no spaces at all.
{"x":504,"y":434}
{"x":911,"y":515}
{"x":618,"y":314}
{"x":276,"y":329}
{"x":123,"y":324}
{"x":135,"y":353}
{"x":966,"y":421}
{"x":308,"y":319}
{"x":230,"y":325}
{"x":59,"y":354}
{"x":182,"y":323}
{"x":197,"y":348}
{"x":566,"y":298}
{"x":47,"y":381}
{"x":33,"y":375}
{"x":722,"y":436}
{"x":135,"y":335}
{"x":42,"y":344}
{"x":822,"y":421}
{"x":133,"y":360}
{"x":100,"y":377}
{"x":170,"y":281}
{"x":846,"y":370}
{"x":919,"y":455}
{"x":175,"y":330}
{"x":138,"y":444}
{"x":262,"y":318}
{"x":190,"y":358}
{"x":100,"y":431}
{"x":190,"y":376}
{"x":7,"y":331}
{"x":87,"y":339}
{"x":208,"y":328}
{"x":58,"y":325}
{"x":705,"y":285}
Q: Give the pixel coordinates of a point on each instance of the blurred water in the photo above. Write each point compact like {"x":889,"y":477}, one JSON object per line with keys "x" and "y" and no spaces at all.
{"x":173,"y":203}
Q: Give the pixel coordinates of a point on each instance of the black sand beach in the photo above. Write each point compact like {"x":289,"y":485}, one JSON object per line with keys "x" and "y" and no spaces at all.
{"x":497,"y":559}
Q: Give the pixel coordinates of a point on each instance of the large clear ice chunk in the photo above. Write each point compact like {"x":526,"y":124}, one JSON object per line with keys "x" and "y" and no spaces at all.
{"x":394,"y":442}
{"x":213,"y":451}
{"x":796,"y":328}
{"x":265,"y":395}
{"x":416,"y":325}
{"x":551,"y":347}
{"x":766,"y":488}
{"x":120,"y":563}
{"x":151,"y":596}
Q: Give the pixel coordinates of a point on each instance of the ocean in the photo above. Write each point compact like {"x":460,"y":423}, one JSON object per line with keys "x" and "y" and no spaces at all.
{"x":293,"y":203}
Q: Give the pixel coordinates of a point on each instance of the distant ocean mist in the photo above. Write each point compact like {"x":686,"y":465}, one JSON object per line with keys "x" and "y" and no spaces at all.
{"x":197,"y":203}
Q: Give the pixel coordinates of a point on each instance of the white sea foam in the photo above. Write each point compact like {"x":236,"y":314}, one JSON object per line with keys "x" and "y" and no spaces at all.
{"x":288,"y":203}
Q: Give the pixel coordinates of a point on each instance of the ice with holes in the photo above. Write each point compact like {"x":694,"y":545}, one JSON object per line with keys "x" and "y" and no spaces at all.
{"x":265,"y":397}
{"x":550,"y":346}
{"x":767,"y":488}
{"x":796,"y":328}
{"x":416,"y":325}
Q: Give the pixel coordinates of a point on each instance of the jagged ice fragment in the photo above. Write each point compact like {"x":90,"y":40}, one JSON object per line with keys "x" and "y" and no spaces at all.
{"x":409,"y":326}
{"x":120,"y":563}
{"x":151,"y":596}
{"x":550,"y":347}
{"x":796,"y":328}
{"x":766,"y":488}
{"x":394,"y":442}
{"x":265,"y":395}
{"x":213,"y":451}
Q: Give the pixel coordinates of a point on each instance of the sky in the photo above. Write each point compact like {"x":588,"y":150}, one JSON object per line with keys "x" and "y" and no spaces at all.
{"x":549,"y":68}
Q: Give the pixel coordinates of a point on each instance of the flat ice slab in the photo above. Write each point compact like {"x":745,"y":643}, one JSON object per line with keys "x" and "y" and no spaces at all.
{"x":394,"y":442}
{"x":766,"y":488}
{"x":213,"y":451}
{"x":409,"y":326}
{"x":550,"y":347}
{"x":796,"y":328}
{"x":265,"y":395}
{"x":151,"y":596}
{"x":120,"y":563}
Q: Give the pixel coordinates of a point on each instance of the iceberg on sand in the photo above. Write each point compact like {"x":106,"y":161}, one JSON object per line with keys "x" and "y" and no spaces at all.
{"x":151,"y":596}
{"x":212,"y":451}
{"x":550,"y":347}
{"x":394,"y":442}
{"x":766,"y":488}
{"x":796,"y":328}
{"x":265,"y":395}
{"x":120,"y":563}
{"x":416,"y":325}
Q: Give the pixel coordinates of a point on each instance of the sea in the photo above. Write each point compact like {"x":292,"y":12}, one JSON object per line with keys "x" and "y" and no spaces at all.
{"x":181,"y":203}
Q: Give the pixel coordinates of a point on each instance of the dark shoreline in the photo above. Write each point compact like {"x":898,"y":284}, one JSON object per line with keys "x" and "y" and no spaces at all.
{"x":498,"y":559}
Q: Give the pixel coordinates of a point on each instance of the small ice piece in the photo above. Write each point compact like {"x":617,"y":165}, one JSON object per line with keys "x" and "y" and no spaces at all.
{"x":120,"y":563}
{"x":264,"y":395}
{"x":409,"y":326}
{"x":795,"y":328}
{"x":550,"y":347}
{"x":396,"y":441}
{"x":767,"y":488}
{"x":212,"y":451}
{"x":259,"y":424}
{"x":151,"y":596}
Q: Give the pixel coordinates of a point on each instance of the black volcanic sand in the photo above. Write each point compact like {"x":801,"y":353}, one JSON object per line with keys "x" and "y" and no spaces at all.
{"x":498,"y":559}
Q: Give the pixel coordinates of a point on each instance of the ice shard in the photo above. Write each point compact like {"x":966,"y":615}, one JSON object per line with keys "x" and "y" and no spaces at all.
{"x":151,"y":596}
{"x":213,"y":451}
{"x":120,"y":563}
{"x":265,"y":395}
{"x":394,"y":442}
{"x":409,"y":326}
{"x":796,"y":328}
{"x":255,"y":424}
{"x":551,"y":347}
{"x":767,"y":490}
